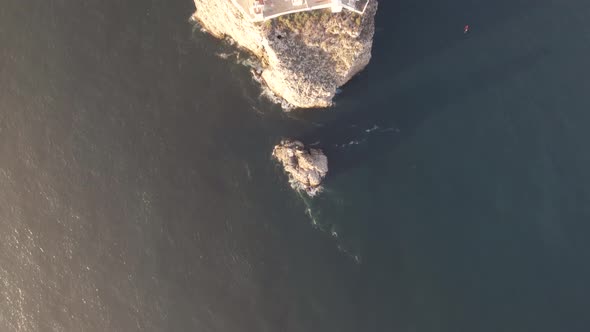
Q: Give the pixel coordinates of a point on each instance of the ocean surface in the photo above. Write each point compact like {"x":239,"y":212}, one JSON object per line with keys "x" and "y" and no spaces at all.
{"x":137,"y":192}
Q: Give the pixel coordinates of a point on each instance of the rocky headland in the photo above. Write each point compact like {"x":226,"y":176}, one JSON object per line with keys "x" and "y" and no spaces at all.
{"x":306,"y":168}
{"x":304,"y":57}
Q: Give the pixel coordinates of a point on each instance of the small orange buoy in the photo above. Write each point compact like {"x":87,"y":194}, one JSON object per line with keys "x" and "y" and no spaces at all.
{"x":466,"y":29}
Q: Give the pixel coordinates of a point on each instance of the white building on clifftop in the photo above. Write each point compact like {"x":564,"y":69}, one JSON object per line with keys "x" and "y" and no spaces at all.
{"x":262,"y":10}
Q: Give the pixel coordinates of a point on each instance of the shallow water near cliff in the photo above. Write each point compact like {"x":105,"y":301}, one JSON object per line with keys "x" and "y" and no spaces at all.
{"x":137,"y":191}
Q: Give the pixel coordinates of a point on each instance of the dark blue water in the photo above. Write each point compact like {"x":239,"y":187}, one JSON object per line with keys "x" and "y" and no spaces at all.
{"x":137,"y":191}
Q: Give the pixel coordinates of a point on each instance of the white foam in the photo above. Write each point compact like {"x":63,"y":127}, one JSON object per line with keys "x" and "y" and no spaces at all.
{"x":226,"y":55}
{"x":375,"y":127}
{"x":271,"y":96}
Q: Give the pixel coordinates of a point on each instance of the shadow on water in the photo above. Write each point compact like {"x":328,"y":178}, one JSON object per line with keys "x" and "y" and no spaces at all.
{"x":407,"y":33}
{"x":358,"y":136}
{"x":402,"y":87}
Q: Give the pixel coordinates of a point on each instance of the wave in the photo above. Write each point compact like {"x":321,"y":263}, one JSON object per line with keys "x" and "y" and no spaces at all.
{"x":350,"y":143}
{"x":375,"y":127}
{"x":272,"y":97}
{"x":226,"y":56}
{"x":329,"y":228}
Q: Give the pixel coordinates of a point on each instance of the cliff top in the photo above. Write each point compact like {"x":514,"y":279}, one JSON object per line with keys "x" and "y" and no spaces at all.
{"x":262,"y":10}
{"x":339,"y":36}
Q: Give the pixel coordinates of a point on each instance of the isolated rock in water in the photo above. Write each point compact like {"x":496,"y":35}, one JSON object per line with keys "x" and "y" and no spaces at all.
{"x":306,"y":167}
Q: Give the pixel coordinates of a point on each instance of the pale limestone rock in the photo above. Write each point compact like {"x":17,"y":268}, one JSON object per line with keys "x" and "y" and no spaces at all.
{"x":303,"y":60}
{"x":306,"y":168}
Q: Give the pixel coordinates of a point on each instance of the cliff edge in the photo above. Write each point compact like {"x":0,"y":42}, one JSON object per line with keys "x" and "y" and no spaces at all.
{"x":305,"y":56}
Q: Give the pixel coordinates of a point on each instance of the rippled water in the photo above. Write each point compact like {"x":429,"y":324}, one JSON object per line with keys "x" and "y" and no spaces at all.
{"x":137,"y":190}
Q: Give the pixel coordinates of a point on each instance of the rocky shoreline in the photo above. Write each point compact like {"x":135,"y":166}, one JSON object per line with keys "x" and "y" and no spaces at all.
{"x":306,"y":168}
{"x":305,"y":57}
{"x":302,"y":59}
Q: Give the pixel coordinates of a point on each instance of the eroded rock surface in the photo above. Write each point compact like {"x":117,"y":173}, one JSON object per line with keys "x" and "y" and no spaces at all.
{"x":306,"y":168}
{"x":305,"y":56}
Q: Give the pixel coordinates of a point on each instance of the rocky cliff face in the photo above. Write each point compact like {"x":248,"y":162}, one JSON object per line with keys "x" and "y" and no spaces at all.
{"x":306,"y":56}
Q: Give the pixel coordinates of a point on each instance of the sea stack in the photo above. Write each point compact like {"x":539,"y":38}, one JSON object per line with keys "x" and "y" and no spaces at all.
{"x":306,"y":168}
{"x":307,"y":49}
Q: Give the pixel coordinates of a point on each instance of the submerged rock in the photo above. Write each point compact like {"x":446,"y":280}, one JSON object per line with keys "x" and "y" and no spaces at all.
{"x":305,"y":56}
{"x":306,"y":168}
